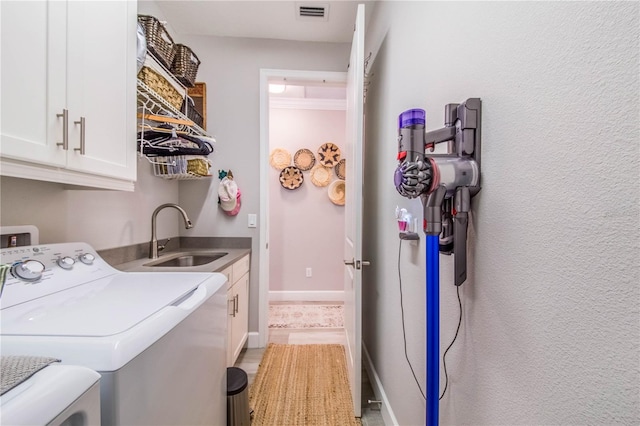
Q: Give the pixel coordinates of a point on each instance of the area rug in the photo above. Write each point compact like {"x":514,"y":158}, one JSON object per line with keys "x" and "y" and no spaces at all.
{"x":302,"y":385}
{"x":306,"y":316}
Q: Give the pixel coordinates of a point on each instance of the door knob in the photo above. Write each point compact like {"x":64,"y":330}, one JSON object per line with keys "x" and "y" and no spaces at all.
{"x":361,"y":263}
{"x":358,"y":264}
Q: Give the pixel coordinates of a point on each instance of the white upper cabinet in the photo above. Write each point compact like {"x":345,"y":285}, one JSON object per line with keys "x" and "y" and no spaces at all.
{"x":68,"y":92}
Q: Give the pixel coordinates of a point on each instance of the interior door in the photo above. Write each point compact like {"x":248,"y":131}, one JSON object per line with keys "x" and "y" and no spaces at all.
{"x":353,"y":210}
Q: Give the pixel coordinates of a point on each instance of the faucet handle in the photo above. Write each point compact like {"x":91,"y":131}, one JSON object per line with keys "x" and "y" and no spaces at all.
{"x":163,"y":245}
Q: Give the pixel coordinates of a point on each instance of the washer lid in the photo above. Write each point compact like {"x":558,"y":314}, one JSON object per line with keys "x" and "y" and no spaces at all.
{"x":100,"y":308}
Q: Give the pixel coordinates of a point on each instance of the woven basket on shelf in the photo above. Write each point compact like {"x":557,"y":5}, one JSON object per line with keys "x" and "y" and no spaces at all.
{"x":161,"y":86}
{"x":159,"y":42}
{"x":185,"y":65}
{"x":189,"y":109}
{"x":198,"y":166}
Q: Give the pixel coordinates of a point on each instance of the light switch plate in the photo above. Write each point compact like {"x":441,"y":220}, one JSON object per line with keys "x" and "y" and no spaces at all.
{"x":253,"y":219}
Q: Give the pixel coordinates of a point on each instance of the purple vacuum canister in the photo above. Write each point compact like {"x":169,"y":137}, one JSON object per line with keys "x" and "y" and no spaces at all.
{"x":412,"y":117}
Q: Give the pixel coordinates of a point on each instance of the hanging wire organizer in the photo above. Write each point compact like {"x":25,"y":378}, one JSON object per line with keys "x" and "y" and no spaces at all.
{"x":154,"y":110}
{"x":153,"y":104}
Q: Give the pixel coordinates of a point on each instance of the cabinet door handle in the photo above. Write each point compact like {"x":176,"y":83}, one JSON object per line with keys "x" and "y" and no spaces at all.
{"x":237,"y":302}
{"x":233,"y":310}
{"x":65,"y":129}
{"x":82,"y":139}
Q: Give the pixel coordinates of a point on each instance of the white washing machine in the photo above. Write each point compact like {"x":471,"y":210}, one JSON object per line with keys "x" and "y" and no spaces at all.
{"x":57,"y":395}
{"x":158,"y":340}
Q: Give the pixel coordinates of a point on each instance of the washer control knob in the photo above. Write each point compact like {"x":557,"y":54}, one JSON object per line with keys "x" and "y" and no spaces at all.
{"x":87,"y":258}
{"x":66,"y":262}
{"x":29,"y":270}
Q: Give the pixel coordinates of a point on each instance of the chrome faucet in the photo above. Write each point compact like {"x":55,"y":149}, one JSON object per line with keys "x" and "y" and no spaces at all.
{"x":153,"y":245}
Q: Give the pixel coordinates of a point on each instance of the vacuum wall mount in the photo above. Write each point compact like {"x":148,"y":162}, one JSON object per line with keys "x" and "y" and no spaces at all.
{"x":445,"y":184}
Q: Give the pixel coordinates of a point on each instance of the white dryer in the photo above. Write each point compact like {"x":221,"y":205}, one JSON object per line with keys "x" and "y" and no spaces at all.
{"x":158,"y":340}
{"x":57,"y":395}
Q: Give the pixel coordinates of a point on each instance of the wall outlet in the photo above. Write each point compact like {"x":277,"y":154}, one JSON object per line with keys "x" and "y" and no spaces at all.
{"x":309,"y":272}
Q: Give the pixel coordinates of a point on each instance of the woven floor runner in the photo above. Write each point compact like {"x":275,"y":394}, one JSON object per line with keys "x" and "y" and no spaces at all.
{"x":306,"y":316}
{"x":302,"y":385}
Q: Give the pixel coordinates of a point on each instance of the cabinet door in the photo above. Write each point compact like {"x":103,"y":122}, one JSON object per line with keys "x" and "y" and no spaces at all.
{"x":101,"y":77}
{"x":241,"y":320}
{"x":33,"y":80}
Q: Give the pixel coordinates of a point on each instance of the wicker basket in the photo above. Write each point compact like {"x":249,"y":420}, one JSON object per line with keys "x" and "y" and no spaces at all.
{"x":161,"y":86}
{"x":159,"y":42}
{"x":189,"y":109}
{"x":185,"y":65}
{"x":198,"y":166}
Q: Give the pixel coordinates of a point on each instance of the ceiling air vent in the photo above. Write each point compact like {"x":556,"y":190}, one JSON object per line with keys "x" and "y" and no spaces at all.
{"x":313,"y":11}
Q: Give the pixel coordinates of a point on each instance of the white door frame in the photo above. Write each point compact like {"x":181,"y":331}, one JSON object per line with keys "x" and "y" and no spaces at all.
{"x":263,"y":279}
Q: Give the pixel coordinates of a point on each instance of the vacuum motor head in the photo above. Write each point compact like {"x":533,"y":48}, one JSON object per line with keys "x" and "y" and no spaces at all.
{"x":413,"y":178}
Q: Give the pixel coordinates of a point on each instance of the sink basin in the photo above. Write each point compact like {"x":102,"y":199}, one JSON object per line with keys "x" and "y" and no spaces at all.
{"x":187,"y":259}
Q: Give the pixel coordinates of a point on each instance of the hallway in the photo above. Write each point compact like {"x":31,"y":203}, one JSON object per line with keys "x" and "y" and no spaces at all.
{"x":249,"y":360}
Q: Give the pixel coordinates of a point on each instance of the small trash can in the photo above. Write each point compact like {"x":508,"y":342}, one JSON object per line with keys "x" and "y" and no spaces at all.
{"x":238,"y":411}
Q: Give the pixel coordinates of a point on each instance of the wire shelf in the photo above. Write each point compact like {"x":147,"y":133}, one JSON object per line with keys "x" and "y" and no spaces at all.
{"x":181,"y":167}
{"x":150,"y":103}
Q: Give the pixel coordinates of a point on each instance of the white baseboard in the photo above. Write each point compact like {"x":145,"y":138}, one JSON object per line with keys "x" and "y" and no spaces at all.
{"x":387,"y":413}
{"x":253,"y":341}
{"x":310,"y":296}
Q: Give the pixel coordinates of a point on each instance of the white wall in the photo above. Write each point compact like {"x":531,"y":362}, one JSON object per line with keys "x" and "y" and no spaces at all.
{"x":104,"y":219}
{"x":550,"y":331}
{"x":306,"y":228}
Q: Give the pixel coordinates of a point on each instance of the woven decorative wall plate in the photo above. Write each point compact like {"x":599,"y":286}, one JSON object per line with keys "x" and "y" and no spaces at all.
{"x":341,"y":169}
{"x":291,"y":177}
{"x":321,"y":175}
{"x":336,"y":192}
{"x":280,"y":158}
{"x":329,"y":154}
{"x":304,"y":159}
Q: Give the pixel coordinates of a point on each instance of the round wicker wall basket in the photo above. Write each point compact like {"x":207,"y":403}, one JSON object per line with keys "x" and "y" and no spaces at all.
{"x":291,"y":178}
{"x":336,"y":192}
{"x":320,"y":175}
{"x":329,"y":154}
{"x":280,"y":158}
{"x":341,"y":169}
{"x":304,"y":159}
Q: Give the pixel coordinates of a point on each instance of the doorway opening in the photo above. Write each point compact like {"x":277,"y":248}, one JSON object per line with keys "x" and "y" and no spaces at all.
{"x":301,"y":228}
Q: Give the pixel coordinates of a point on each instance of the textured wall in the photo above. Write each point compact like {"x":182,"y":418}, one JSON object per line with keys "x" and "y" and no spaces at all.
{"x":306,"y":229}
{"x":550,"y":330}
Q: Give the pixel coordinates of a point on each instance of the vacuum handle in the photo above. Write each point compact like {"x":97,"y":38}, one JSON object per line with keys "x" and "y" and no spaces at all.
{"x":462,"y":205}
{"x":460,"y":247}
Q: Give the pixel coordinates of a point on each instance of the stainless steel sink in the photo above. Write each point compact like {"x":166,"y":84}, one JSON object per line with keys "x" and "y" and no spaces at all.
{"x":187,"y":259}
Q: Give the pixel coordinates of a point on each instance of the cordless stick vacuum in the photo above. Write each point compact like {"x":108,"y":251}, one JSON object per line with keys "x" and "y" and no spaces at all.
{"x":445,"y":184}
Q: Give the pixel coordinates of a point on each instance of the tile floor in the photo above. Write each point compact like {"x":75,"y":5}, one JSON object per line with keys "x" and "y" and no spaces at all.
{"x":249,"y":359}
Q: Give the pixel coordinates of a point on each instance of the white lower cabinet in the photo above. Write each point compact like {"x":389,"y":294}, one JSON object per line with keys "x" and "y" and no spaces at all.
{"x":68,"y":92}
{"x":237,"y":308}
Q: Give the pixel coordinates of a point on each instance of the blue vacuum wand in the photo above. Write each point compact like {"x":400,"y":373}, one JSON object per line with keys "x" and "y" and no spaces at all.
{"x":445,"y":184}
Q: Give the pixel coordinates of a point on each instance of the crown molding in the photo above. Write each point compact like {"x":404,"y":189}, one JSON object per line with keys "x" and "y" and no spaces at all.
{"x":307,"y":103}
